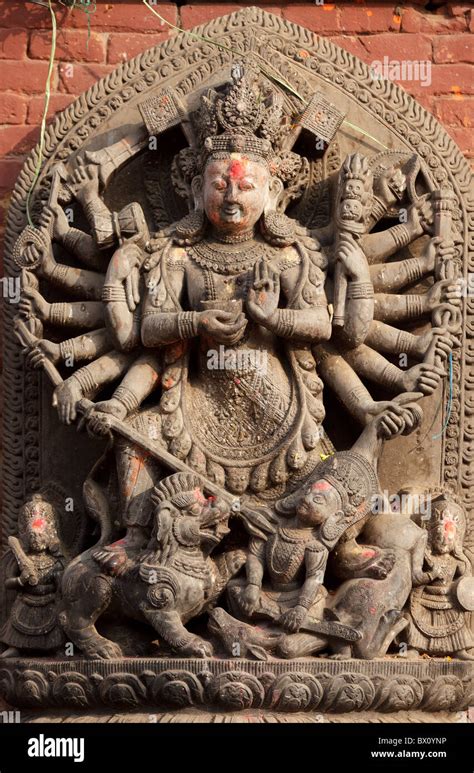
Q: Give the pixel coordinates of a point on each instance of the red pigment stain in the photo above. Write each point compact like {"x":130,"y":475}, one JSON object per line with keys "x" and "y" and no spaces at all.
{"x":38,"y":523}
{"x":449,"y":528}
{"x":368,"y":553}
{"x":321,"y":485}
{"x":198,"y":495}
{"x":119,"y":542}
{"x":372,"y":610}
{"x":237,"y":169}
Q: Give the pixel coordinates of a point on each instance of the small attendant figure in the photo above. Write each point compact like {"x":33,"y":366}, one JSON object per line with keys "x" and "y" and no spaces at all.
{"x":32,"y":623}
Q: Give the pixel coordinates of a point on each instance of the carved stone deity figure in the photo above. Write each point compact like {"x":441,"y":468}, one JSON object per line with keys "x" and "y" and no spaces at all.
{"x":221,"y":330}
{"x":33,"y":621}
{"x":439,"y":606}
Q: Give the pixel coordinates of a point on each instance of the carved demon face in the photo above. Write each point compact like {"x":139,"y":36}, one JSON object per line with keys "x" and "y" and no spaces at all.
{"x":318,"y":503}
{"x":235,"y":192}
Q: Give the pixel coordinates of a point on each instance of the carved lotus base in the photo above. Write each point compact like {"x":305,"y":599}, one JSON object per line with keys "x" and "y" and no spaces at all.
{"x":309,"y":685}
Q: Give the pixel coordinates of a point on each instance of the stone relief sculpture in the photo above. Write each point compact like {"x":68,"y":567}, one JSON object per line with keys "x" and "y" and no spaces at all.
{"x":216,"y":331}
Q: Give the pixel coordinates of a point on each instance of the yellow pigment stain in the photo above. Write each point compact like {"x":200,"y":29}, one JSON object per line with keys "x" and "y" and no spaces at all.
{"x":396,"y":18}
{"x":329,"y":7}
{"x":456,"y":90}
{"x":236,"y":156}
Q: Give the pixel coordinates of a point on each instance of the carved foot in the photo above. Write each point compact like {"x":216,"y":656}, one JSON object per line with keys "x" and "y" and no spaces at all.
{"x":464,"y":654}
{"x":98,"y":647}
{"x":11,"y":652}
{"x":381,"y":567}
{"x":196,"y":648}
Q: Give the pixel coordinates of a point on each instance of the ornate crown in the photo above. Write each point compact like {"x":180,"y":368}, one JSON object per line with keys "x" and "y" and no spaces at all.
{"x":246,"y":117}
{"x":356,"y":482}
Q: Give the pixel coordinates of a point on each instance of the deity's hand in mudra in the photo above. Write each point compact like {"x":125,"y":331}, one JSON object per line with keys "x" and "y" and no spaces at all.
{"x":264,"y":294}
{"x":225,"y":327}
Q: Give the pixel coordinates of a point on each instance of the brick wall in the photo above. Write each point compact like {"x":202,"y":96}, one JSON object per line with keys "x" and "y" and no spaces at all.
{"x":122,"y":28}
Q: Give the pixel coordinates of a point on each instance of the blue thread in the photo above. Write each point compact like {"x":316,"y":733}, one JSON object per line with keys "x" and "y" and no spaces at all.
{"x":450,"y":398}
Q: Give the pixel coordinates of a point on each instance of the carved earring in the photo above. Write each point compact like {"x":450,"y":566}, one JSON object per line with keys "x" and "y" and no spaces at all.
{"x":191,"y":228}
{"x":277,"y":228}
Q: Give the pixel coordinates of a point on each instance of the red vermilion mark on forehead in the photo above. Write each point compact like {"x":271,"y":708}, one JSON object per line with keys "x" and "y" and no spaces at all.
{"x":38,"y":523}
{"x":237,"y":169}
{"x":449,"y":528}
{"x":321,"y":485}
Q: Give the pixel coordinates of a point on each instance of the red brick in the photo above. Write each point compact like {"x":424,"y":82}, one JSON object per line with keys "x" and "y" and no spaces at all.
{"x":459,"y":9}
{"x":28,"y":15}
{"x":125,"y":16}
{"x":13,"y":43}
{"x":57,"y":103}
{"x":351,"y":44}
{"x":13,"y":108}
{"x":463,"y":138}
{"x":370,"y":17}
{"x":453,"y":48}
{"x":28,"y":76}
{"x":471,"y":21}
{"x":70,"y":44}
{"x":445,"y":79}
{"x":17,"y":140}
{"x":455,"y":111}
{"x":76,"y":78}
{"x":426,"y":100}
{"x":421,"y":21}
{"x":322,"y":19}
{"x":9,"y":171}
{"x":125,"y":45}
{"x":397,"y":47}
{"x":196,"y":14}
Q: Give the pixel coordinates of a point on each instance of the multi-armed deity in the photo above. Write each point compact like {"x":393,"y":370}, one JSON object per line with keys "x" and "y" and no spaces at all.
{"x":204,"y":351}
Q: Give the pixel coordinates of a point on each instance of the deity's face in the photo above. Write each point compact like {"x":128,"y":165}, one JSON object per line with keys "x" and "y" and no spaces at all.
{"x":443,"y":535}
{"x":235,"y":191}
{"x":38,"y":527}
{"x":318,"y":503}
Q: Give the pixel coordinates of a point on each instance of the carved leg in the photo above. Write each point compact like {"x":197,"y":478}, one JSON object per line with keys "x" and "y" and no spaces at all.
{"x":169,"y":627}
{"x":228,"y":564}
{"x":354,"y":561}
{"x":297,"y":645}
{"x":137,"y":474}
{"x":85,"y":597}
